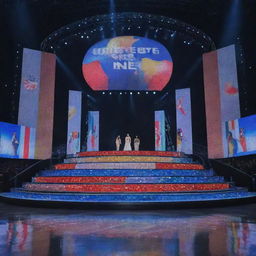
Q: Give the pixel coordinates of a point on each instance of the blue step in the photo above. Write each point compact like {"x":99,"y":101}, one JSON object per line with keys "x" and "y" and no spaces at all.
{"x":131,"y":198}
{"x":125,"y":172}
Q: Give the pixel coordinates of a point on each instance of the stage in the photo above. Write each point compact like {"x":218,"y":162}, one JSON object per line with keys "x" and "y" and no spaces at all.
{"x":136,"y":109}
{"x":128,"y":180}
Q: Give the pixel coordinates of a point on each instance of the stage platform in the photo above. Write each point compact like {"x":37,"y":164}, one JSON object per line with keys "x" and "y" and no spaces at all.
{"x":128,"y":179}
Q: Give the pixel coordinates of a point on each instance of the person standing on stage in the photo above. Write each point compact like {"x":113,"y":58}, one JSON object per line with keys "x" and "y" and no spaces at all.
{"x":118,"y":143}
{"x":127,"y":145}
{"x":136,"y":143}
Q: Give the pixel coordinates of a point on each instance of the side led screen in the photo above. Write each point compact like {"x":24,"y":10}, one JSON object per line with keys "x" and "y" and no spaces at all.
{"x":241,"y":136}
{"x":127,"y":63}
{"x":17,"y":141}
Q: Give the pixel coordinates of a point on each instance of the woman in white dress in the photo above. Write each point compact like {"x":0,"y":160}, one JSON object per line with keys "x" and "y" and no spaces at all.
{"x":127,"y":145}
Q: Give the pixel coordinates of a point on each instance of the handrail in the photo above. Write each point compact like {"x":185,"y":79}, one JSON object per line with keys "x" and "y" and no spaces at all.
{"x":26,"y":173}
{"x":228,"y":165}
{"x":26,"y":169}
{"x":218,"y":160}
{"x":240,"y":177}
{"x":194,"y":156}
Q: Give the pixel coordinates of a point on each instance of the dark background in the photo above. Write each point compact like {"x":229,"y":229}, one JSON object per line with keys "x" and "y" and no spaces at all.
{"x":129,"y":113}
{"x":26,"y":23}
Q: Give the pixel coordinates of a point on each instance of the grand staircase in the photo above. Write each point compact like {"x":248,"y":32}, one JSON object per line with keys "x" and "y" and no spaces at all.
{"x":128,"y":179}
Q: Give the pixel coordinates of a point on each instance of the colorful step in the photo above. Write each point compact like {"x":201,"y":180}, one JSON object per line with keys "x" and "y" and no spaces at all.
{"x":119,"y":188}
{"x":130,"y":153}
{"x":132,"y":159}
{"x":128,"y":177}
{"x":129,"y":166}
{"x":125,"y":172}
{"x":120,"y":179}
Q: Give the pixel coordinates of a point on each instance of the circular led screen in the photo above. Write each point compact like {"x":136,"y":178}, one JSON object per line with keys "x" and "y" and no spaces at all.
{"x":127,"y":63}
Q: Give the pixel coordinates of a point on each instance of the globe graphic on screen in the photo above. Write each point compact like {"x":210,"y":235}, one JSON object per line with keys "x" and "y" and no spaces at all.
{"x":127,"y":63}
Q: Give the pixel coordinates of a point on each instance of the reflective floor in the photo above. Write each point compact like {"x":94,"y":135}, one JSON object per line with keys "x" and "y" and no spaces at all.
{"x":211,"y":231}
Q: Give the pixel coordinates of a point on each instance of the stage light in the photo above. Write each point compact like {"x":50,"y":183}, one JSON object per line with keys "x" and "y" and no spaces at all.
{"x":82,"y":36}
{"x":130,"y":93}
{"x":103,"y":92}
{"x":51,"y":47}
{"x":120,"y":93}
{"x":138,"y":92}
{"x":66,"y":43}
{"x":173,"y":34}
{"x":233,"y":21}
{"x":146,"y":92}
{"x":110,"y":93}
{"x":154,"y":92}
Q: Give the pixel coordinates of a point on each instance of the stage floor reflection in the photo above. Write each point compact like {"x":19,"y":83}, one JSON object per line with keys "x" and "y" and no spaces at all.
{"x":212,"y":231}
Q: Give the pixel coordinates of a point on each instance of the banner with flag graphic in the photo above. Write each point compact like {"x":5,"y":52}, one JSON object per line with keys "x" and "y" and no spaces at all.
{"x":160,"y":144}
{"x":183,"y":121}
{"x":93,"y":131}
{"x":36,"y":104}
{"x":221,"y":97}
{"x":74,"y":122}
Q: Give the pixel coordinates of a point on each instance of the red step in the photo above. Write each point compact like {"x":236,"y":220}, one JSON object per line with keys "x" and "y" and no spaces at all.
{"x":117,"y":188}
{"x":130,"y":153}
